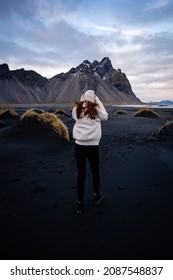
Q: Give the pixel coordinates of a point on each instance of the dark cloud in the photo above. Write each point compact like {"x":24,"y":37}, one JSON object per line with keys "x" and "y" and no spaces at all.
{"x":22,"y":8}
{"x":157,"y":43}
{"x":48,"y":34}
{"x":58,"y":44}
{"x":141,"y":12}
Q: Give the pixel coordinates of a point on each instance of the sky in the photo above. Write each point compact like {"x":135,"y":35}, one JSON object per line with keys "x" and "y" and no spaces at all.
{"x":52,"y":36}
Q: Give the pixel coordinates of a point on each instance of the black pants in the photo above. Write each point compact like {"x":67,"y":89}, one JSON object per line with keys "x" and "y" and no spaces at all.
{"x":82,"y":153}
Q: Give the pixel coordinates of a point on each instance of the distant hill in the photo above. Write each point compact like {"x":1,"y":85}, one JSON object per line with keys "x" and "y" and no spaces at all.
{"x":28,"y":87}
{"x":162,"y":102}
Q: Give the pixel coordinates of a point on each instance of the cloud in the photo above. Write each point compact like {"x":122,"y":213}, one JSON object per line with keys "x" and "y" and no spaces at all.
{"x":21,"y":8}
{"x":157,"y":4}
{"x":58,"y":45}
{"x":144,"y":13}
{"x":54,"y":36}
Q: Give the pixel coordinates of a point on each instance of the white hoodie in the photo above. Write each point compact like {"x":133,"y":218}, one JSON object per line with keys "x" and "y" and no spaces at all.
{"x":87,"y":131}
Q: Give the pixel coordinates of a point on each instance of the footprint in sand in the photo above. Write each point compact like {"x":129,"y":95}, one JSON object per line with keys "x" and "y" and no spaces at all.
{"x":136,"y":205}
{"x":7,"y":201}
{"x":45,"y":167}
{"x":4,"y":158}
{"x":16,"y":180}
{"x":38,"y":190}
{"x":32,"y":183}
{"x":120,"y":188}
{"x":54,"y":171}
{"x":5,"y":215}
{"x":55,"y":205}
{"x":20,"y":163}
{"x":156,"y":185}
{"x":131,"y":206}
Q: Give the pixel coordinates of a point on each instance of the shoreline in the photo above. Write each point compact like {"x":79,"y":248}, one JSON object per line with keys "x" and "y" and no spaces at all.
{"x":69,"y":105}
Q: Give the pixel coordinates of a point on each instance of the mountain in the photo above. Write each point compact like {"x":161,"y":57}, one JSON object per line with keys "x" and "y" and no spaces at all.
{"x":28,"y":87}
{"x":162,"y":102}
{"x":20,"y":86}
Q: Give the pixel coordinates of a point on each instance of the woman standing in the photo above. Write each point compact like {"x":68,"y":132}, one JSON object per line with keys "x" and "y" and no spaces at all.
{"x":88,"y":113}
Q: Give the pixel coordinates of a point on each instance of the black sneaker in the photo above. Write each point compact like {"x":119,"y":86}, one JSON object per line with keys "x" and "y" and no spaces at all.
{"x":98,"y":198}
{"x":80,"y":207}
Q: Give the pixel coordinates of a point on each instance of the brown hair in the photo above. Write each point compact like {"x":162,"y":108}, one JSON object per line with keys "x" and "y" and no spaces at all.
{"x":89,"y":110}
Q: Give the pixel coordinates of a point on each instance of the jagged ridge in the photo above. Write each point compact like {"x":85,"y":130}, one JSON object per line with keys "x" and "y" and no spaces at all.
{"x":21,"y":86}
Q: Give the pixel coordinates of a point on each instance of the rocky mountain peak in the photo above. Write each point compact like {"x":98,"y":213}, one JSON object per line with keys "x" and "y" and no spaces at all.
{"x":29,"y":77}
{"x":86,"y":63}
{"x":102,"y":68}
{"x":23,"y":86}
{"x":4,"y":71}
{"x":85,"y":67}
{"x":106,"y":63}
{"x":87,"y":73}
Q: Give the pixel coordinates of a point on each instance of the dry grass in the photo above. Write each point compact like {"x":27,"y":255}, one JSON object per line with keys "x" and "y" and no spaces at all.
{"x":29,"y":114}
{"x":39,"y":111}
{"x":146,"y":113}
{"x":9,"y":113}
{"x":50,"y":119}
{"x":61,"y":112}
{"x":166,"y":130}
{"x":120,"y":112}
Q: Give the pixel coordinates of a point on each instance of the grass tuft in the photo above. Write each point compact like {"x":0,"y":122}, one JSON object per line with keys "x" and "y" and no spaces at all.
{"x":51,"y":120}
{"x":29,"y":114}
{"x":39,"y":111}
{"x":9,"y":112}
{"x":120,"y":112}
{"x":146,"y":113}
{"x":166,"y":130}
{"x":61,"y":112}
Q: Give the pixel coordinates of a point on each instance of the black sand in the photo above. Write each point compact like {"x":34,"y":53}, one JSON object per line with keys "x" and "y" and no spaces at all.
{"x":38,"y":197}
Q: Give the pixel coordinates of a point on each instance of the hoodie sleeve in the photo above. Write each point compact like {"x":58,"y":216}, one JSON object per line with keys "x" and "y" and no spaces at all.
{"x":102,"y":114}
